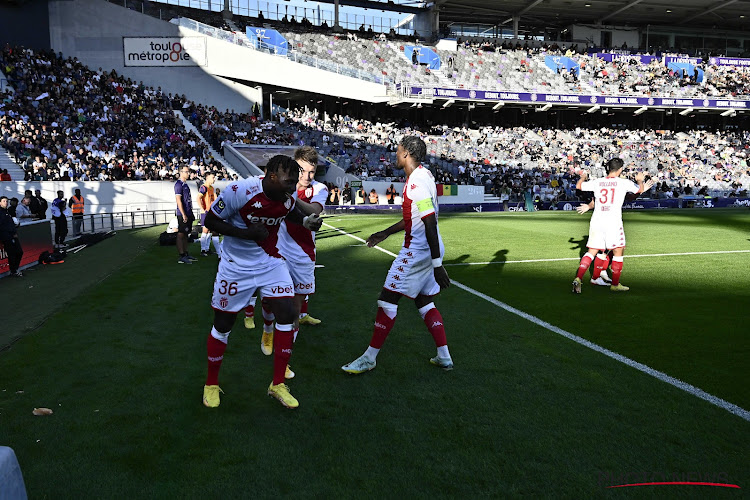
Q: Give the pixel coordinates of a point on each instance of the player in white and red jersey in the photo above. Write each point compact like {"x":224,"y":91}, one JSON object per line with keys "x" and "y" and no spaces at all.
{"x":297,"y":246}
{"x":418,"y":271}
{"x":206,"y":198}
{"x":605,"y":229}
{"x":248,"y":213}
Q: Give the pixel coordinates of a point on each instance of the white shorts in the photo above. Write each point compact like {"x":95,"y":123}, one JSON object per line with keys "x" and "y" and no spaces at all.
{"x":411,"y":274}
{"x":606,"y":237}
{"x":303,"y":276}
{"x":233,"y":288}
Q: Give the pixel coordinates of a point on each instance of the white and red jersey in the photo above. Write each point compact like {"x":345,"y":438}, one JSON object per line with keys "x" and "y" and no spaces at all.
{"x":297,"y":243}
{"x":420,"y":200}
{"x":609,"y":193}
{"x":243,"y":203}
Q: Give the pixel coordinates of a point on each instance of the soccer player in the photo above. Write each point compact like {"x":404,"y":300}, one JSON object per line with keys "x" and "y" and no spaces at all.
{"x":603,"y":258}
{"x":606,"y":229}
{"x":206,"y":198}
{"x":248,"y":213}
{"x":296,"y":243}
{"x":418,"y":271}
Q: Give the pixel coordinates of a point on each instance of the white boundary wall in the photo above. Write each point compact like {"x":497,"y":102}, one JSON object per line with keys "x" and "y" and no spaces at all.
{"x":134,"y":196}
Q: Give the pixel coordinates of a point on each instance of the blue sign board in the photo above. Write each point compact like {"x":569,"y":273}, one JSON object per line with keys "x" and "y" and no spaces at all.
{"x":266,"y":37}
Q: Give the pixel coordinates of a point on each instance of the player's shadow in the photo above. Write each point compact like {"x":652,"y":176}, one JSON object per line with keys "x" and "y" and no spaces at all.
{"x":458,"y":260}
{"x":331,"y":233}
{"x":501,"y":257}
{"x":579,"y":244}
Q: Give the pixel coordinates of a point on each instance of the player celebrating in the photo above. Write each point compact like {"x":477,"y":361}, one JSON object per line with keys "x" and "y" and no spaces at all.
{"x":248,"y":213}
{"x":418,"y":271}
{"x":605,"y":229}
{"x":296,"y":243}
{"x":206,"y":198}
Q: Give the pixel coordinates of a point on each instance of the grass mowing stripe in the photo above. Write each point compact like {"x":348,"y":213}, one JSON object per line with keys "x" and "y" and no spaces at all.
{"x":578,"y":258}
{"x":690,"y":389}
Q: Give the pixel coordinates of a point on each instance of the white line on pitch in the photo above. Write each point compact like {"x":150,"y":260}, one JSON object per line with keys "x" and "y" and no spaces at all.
{"x":578,"y":258}
{"x":690,"y":389}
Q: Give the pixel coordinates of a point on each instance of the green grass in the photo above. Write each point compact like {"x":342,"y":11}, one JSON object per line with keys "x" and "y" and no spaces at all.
{"x":526,"y":412}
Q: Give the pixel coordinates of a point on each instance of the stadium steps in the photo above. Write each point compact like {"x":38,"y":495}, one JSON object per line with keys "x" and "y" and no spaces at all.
{"x":443,"y":80}
{"x":216,"y":155}
{"x":489,"y":198}
{"x":6,"y":161}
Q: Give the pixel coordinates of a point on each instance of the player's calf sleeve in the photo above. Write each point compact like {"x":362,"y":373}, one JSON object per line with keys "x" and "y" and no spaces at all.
{"x":250,"y":311}
{"x":215,"y":347}
{"x":203,"y":241}
{"x":283,"y":339}
{"x":384,"y":320}
{"x":303,"y":308}
{"x":434,"y":322}
{"x":584,"y":265}
{"x":616,"y":269}
{"x":600,"y":264}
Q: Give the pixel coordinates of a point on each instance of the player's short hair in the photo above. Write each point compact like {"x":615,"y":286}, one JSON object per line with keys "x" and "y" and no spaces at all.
{"x":282,"y":163}
{"x":415,"y":146}
{"x":614,"y":165}
{"x":308,"y":154}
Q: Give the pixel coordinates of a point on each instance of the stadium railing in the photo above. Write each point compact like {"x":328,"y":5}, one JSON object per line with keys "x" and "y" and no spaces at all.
{"x":292,"y":55}
{"x":124,"y":220}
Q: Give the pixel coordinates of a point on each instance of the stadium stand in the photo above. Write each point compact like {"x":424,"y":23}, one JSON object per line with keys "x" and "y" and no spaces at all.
{"x":65,"y":121}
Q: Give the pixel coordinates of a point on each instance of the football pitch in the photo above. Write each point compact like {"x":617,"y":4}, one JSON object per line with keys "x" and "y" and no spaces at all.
{"x":114,"y":342}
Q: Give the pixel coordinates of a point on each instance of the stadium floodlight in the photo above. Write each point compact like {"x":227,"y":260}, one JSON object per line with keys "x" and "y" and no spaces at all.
{"x":498,"y":106}
{"x":593,"y":109}
{"x":448,"y":103}
{"x":729,"y":112}
{"x":640,"y":110}
{"x":546,"y":107}
{"x":686,"y":111}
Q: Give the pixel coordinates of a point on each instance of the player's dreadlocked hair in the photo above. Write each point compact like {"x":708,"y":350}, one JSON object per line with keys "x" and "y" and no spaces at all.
{"x":414,"y":146}
{"x":614,"y":165}
{"x":282,"y":162}
{"x":308,"y":154}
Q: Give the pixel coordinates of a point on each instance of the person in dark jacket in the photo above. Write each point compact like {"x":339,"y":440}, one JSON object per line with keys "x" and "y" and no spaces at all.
{"x":9,"y":238}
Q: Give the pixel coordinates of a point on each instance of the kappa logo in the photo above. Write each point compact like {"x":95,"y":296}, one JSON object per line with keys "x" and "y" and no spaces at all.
{"x":409,"y":254}
{"x":258,"y":204}
{"x":235,"y":187}
{"x":401,"y":268}
{"x":436,"y":323}
{"x":397,"y":277}
{"x":413,"y":186}
{"x":405,"y":261}
{"x":392,"y":285}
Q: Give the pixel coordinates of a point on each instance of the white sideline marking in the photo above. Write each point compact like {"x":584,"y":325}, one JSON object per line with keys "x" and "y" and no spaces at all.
{"x":690,"y":389}
{"x":578,"y":258}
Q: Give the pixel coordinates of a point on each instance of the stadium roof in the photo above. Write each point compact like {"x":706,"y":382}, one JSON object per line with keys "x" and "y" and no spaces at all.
{"x":722,"y":14}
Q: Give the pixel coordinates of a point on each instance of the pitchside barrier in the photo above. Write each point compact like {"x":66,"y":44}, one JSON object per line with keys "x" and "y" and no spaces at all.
{"x":520,"y":206}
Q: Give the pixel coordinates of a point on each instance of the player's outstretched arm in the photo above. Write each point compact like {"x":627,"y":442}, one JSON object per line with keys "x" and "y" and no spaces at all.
{"x":376,"y":238}
{"x":431,"y":232}
{"x":215,"y":224}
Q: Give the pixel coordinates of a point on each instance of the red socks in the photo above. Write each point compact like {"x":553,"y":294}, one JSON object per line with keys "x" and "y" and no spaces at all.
{"x":283,"y":338}
{"x":250,"y":311}
{"x":434,"y":322}
{"x":215,"y":349}
{"x":601,"y":263}
{"x":383,"y":325}
{"x":616,"y":270}
{"x":303,"y":309}
{"x":584,"y":265}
